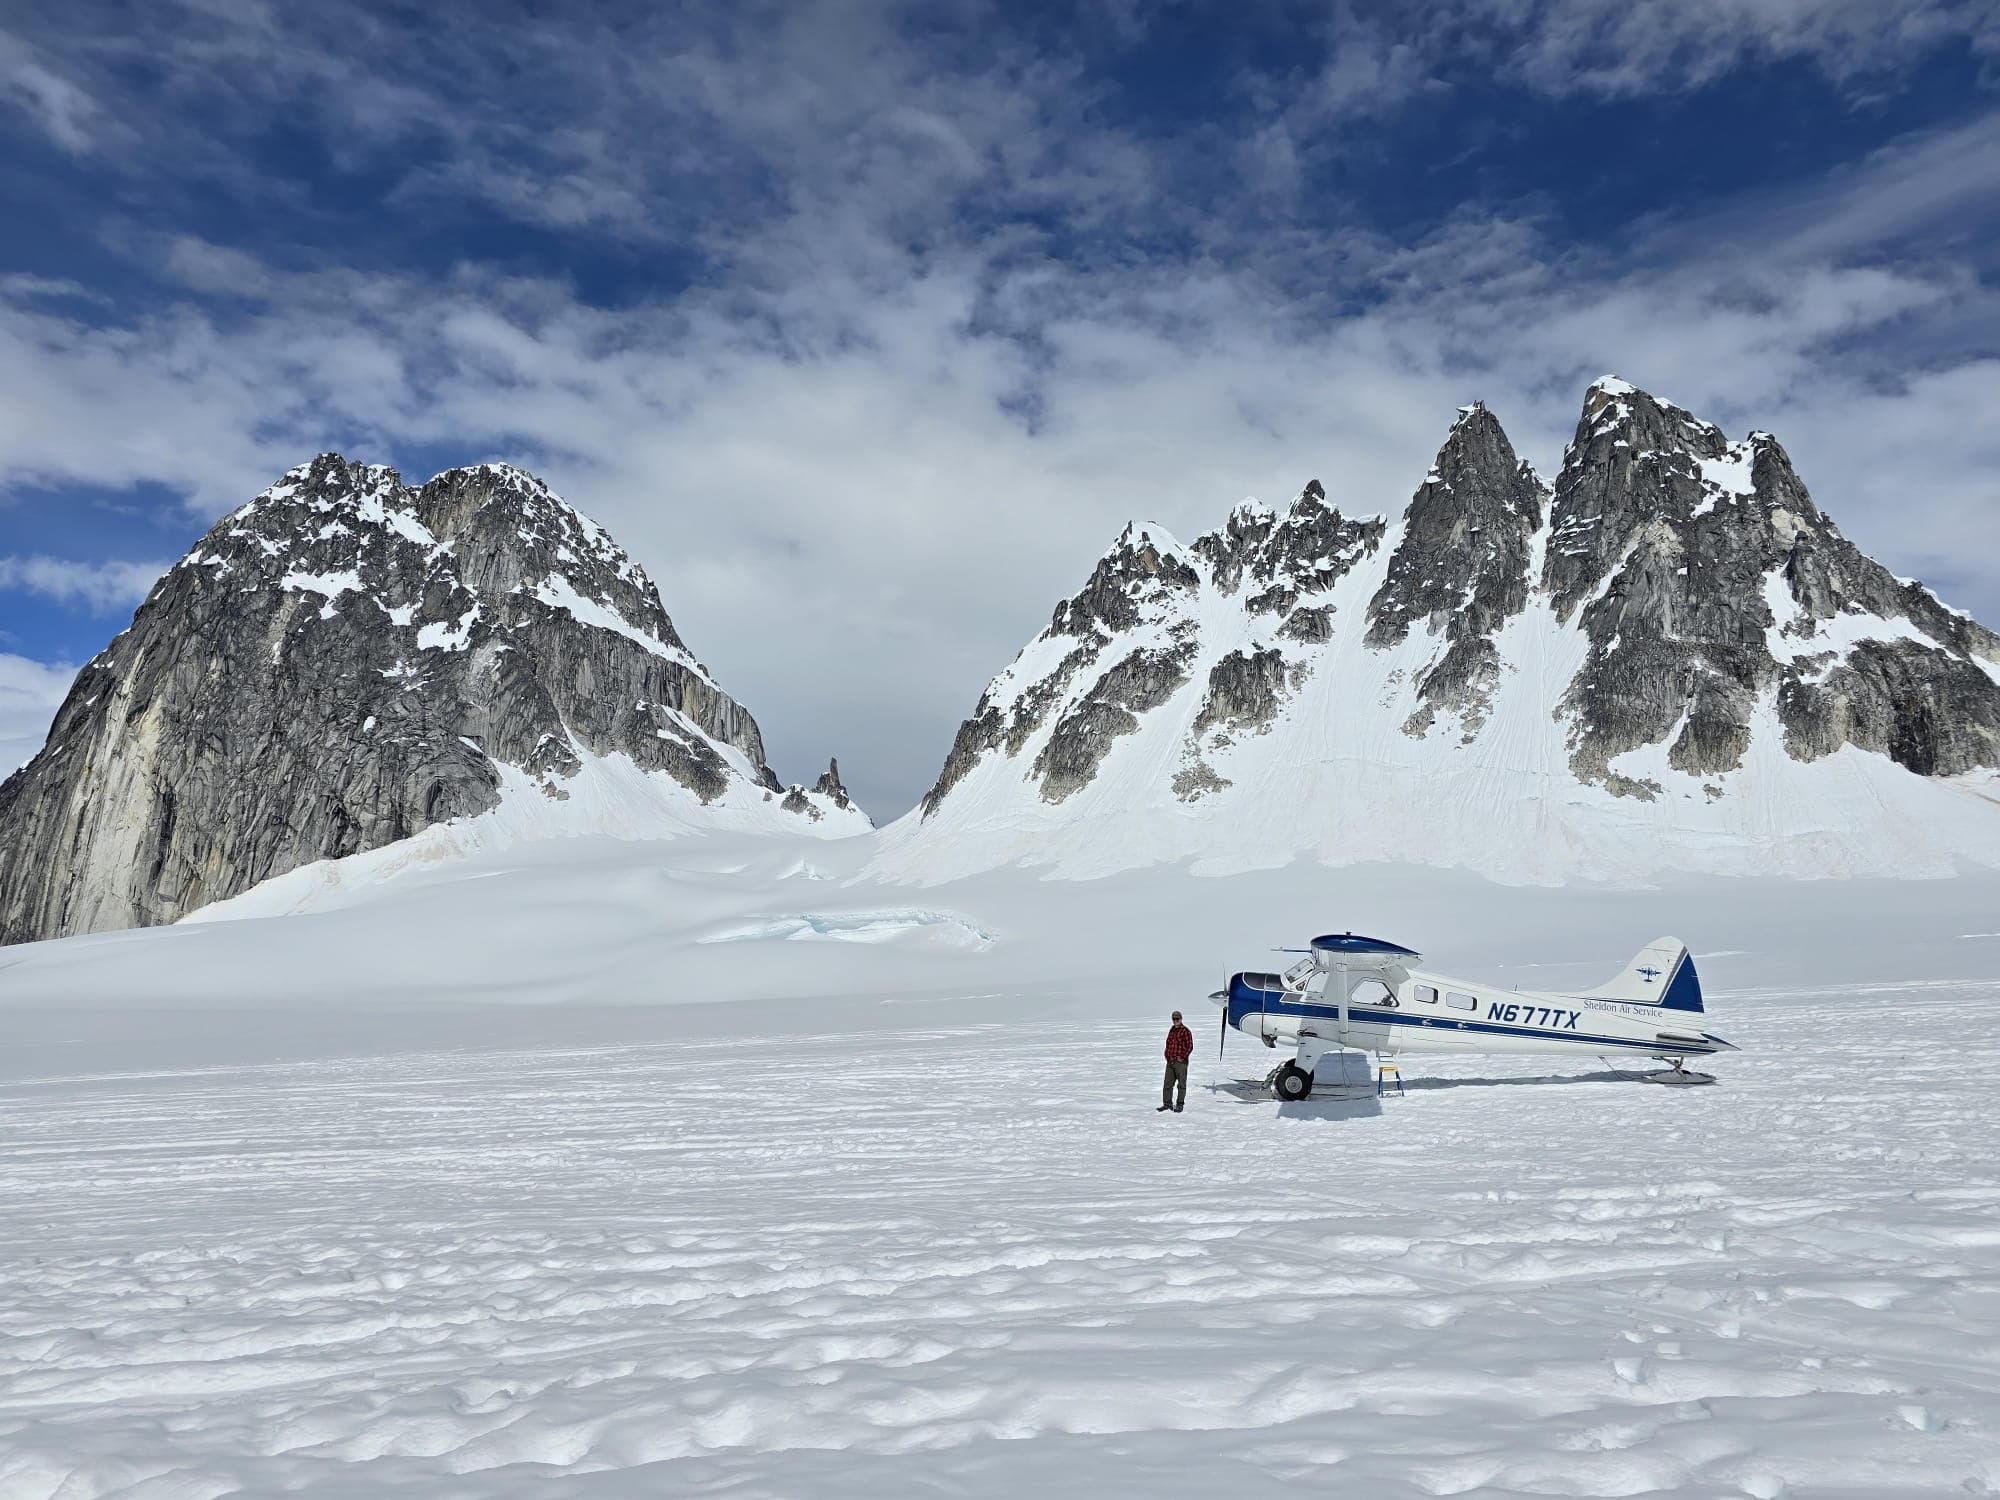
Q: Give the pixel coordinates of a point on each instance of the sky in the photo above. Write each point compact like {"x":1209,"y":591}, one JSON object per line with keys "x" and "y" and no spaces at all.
{"x":867,"y":326}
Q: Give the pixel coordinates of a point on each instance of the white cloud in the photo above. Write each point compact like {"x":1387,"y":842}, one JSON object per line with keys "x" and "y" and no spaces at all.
{"x":1600,"y":47}
{"x":940,"y":329}
{"x":105,"y":587}
{"x":30,"y":694}
{"x":58,"y":107}
{"x":854,"y":527}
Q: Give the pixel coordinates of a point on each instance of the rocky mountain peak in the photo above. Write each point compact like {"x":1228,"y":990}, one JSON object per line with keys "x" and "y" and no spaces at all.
{"x":1127,"y":641}
{"x":1462,"y":567}
{"x":1619,"y":672}
{"x":829,"y":785}
{"x":1144,"y":564}
{"x":1708,"y":583}
{"x":347,"y":661}
{"x":1617,"y":411}
{"x":1276,"y":560}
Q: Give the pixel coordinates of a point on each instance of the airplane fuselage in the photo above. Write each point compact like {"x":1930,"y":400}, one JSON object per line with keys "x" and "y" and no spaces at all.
{"x":1400,"y":1012}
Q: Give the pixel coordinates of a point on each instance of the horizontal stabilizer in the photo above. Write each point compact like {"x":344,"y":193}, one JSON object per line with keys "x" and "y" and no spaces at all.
{"x":1662,"y":974}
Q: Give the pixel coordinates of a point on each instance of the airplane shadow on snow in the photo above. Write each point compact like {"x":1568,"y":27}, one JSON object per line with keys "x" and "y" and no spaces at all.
{"x":1607,"y":1075}
{"x":1341,"y":1102}
{"x":1353,"y":1100}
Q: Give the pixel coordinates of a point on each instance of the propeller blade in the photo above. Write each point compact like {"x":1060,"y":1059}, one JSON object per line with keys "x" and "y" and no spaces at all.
{"x":1222,"y":1038}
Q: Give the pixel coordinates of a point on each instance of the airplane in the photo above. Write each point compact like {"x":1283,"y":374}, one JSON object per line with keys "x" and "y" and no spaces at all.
{"x":1362,"y":994}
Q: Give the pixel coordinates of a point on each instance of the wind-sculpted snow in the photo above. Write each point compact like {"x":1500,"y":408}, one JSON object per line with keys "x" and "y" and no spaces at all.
{"x":856,"y":927}
{"x":922,"y":1251}
{"x":347,"y":661}
{"x":1670,"y":659}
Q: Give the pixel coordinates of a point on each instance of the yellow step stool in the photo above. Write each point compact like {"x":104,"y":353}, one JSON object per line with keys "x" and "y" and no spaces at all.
{"x":1386,"y":1073}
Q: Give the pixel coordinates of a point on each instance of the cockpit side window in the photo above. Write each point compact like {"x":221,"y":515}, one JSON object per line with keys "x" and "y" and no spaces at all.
{"x":1371,"y":992}
{"x":1427,"y":994}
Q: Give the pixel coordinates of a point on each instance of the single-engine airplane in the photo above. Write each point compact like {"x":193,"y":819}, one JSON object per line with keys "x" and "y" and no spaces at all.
{"x":1362,"y":994}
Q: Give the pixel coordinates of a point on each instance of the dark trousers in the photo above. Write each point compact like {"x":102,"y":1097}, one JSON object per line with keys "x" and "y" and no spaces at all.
{"x":1176,"y":1080}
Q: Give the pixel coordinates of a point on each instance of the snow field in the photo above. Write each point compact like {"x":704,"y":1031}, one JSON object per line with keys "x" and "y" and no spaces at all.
{"x":927,"y":1249}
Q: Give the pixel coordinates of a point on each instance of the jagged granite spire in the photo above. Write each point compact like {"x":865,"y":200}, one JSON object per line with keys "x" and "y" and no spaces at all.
{"x":1462,"y":567}
{"x":1123,"y":645}
{"x":342,"y":663}
{"x":1136,"y":581}
{"x":1708,"y":583}
{"x":827,"y":795}
{"x":1649,"y":665}
{"x":829,"y":785}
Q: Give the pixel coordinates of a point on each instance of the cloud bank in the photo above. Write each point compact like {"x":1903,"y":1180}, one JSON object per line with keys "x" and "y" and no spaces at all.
{"x":866,"y":329}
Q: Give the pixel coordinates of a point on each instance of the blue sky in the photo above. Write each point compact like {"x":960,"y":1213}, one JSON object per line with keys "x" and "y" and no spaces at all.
{"x":866,"y":326}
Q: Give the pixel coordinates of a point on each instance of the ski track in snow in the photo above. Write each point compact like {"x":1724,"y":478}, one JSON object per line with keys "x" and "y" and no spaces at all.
{"x":971,"y":1260}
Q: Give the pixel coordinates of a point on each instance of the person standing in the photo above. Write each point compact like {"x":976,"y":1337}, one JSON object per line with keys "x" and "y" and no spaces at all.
{"x":1180,"y":1047}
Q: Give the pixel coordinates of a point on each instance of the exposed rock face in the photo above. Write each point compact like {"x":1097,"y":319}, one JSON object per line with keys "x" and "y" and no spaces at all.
{"x":829,"y":787}
{"x":1136,"y":581}
{"x":340,"y":664}
{"x":1707,"y":581}
{"x":1138,"y":684}
{"x":827,"y":795}
{"x":1244,"y":691}
{"x":1520,"y":677}
{"x":1463,"y":568}
{"x":1124,"y":646}
{"x":1927,"y":710}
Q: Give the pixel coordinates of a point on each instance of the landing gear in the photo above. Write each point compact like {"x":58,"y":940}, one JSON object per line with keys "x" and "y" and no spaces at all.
{"x":1292,"y":1083}
{"x":1677,"y":1074}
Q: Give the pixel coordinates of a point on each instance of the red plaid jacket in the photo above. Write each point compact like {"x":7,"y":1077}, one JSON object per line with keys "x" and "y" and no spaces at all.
{"x":1180,"y":1043}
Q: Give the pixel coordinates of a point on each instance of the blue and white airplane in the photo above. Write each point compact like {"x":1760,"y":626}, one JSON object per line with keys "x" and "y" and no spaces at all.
{"x":1362,"y":994}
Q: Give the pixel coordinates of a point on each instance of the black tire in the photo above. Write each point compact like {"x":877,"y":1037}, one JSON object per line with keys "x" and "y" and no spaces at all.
{"x":1292,"y":1084}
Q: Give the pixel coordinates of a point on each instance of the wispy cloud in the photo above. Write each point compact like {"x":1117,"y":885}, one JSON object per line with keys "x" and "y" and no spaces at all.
{"x":841,"y":495}
{"x":102,"y":587}
{"x":933,"y":318}
{"x":1587,"y":46}
{"x":32,"y":83}
{"x":30,"y":694}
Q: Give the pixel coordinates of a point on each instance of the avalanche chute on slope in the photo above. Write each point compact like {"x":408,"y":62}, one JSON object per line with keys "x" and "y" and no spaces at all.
{"x":1363,"y":994}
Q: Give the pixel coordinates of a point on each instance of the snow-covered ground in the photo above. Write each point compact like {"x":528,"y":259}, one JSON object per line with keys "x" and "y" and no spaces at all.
{"x":286,"y":1209}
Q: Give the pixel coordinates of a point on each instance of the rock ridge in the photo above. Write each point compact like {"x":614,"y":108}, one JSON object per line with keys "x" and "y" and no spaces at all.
{"x":342,"y":663}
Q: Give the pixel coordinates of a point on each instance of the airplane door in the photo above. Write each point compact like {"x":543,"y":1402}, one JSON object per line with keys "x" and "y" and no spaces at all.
{"x":1372,"y":1007}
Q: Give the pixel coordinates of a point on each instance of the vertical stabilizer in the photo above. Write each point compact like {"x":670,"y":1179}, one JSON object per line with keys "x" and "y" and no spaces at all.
{"x":1662,"y":974}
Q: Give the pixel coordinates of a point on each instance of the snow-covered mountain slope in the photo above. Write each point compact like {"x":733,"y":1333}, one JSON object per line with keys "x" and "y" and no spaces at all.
{"x":1670,"y":659}
{"x":466,"y":1189}
{"x":348,"y":661}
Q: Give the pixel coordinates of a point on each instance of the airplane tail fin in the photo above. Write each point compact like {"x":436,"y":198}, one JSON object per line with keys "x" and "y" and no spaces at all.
{"x":1661,"y":974}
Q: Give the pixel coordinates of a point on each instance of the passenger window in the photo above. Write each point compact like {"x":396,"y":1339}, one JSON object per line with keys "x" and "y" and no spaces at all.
{"x":1427,"y":993}
{"x":1371,"y":992}
{"x":1460,"y":1002}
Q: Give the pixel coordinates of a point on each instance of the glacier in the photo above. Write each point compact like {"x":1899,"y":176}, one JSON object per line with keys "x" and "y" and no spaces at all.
{"x":460,"y":1184}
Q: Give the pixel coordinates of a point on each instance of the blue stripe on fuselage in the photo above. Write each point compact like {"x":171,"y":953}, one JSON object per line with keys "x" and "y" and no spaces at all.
{"x":1245,"y":1000}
